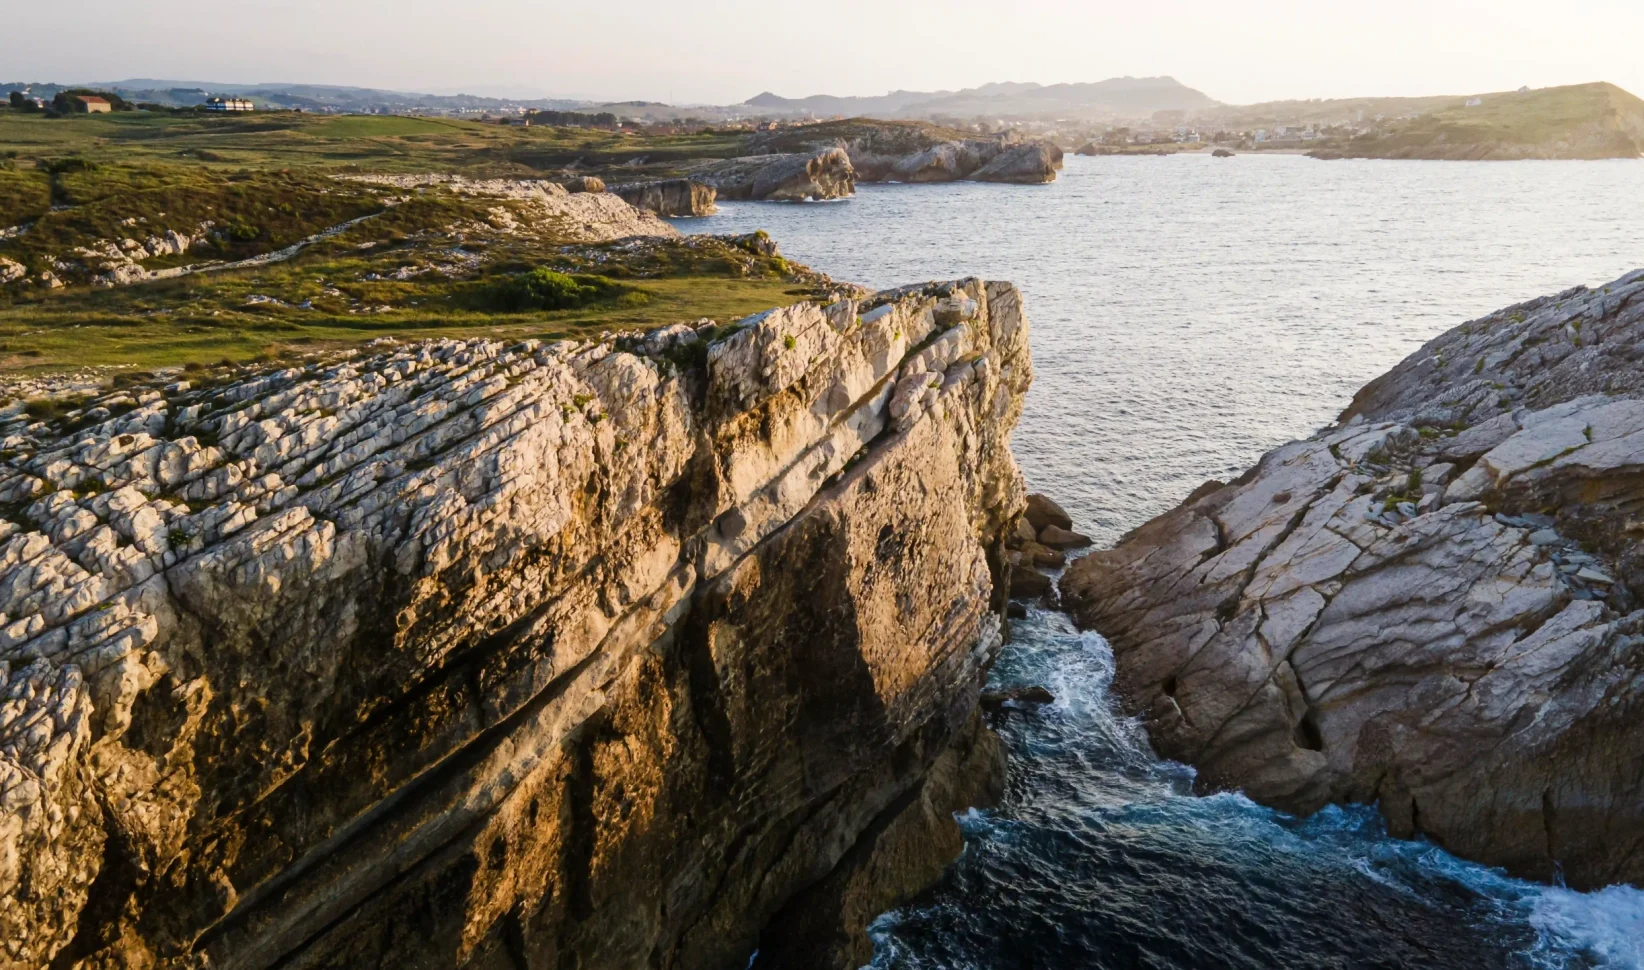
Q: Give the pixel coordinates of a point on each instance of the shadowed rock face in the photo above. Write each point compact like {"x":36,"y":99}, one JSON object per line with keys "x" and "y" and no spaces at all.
{"x":1434,"y":605}
{"x":476,"y":655}
{"x":668,"y":197}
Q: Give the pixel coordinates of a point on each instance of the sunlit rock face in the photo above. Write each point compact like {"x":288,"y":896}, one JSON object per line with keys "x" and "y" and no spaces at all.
{"x":1433,"y":605}
{"x":643,"y":652}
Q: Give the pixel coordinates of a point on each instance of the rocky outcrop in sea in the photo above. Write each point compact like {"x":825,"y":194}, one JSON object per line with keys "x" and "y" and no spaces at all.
{"x":1436,"y":605}
{"x":640,"y":652}
{"x":888,"y":151}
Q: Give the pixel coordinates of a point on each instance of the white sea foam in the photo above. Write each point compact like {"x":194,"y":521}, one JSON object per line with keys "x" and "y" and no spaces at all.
{"x":1603,"y":928}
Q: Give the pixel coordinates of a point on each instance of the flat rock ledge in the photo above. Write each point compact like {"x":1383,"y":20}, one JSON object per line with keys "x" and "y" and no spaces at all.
{"x":642,"y":652}
{"x":1434,"y":605}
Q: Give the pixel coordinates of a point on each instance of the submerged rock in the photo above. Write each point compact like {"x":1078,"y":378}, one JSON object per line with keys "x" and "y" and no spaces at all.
{"x":996,"y":701}
{"x":1399,"y":609}
{"x":642,"y":652}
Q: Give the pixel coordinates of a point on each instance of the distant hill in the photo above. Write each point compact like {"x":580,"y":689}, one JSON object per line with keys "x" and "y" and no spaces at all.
{"x":310,"y":97}
{"x":1578,"y":121}
{"x":1123,"y":97}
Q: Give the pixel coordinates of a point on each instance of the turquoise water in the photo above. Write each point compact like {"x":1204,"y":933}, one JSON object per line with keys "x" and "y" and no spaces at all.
{"x":1188,"y":314}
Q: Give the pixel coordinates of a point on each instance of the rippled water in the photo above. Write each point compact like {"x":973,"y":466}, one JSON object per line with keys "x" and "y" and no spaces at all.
{"x":1189,"y":313}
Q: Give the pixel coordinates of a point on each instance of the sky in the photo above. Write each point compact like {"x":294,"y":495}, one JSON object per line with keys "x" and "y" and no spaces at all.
{"x":725,"y":51}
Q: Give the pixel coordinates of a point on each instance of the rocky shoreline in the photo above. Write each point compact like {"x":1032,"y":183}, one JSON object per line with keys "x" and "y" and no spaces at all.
{"x":1433,"y":606}
{"x":824,"y":162}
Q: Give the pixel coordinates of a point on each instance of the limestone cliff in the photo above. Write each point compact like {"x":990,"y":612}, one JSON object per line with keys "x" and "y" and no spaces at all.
{"x":893,"y":151}
{"x":1434,"y":605}
{"x":481,"y":655}
{"x":811,"y":176}
{"x":669,"y":197}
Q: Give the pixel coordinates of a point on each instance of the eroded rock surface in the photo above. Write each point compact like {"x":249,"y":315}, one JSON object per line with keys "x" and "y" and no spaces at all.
{"x":468,"y":654}
{"x":1434,"y":605}
{"x":795,"y":177}
{"x":881,"y":151}
{"x":669,"y":197}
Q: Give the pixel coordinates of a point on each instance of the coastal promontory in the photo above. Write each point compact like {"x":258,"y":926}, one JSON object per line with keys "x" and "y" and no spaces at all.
{"x":1435,"y":605}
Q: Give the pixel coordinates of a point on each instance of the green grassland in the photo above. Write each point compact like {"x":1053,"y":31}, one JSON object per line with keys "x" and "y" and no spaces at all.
{"x":1584,"y":121}
{"x":424,"y":262}
{"x":377,"y":143}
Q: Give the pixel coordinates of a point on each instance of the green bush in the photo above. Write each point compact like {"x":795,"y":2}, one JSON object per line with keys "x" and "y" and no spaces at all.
{"x":544,"y":289}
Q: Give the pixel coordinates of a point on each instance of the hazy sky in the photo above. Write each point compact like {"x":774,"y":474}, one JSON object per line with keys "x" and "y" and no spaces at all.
{"x":725,"y":51}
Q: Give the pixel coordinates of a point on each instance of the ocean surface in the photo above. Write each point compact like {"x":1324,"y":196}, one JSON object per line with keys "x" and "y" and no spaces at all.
{"x":1188,"y":314}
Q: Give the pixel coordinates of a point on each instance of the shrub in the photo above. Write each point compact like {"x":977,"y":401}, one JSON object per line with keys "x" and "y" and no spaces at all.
{"x":544,"y":289}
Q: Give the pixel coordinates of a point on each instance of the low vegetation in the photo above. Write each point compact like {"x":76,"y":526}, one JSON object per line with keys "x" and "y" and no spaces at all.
{"x":1577,"y":121}
{"x":379,"y":143}
{"x":403,"y":263}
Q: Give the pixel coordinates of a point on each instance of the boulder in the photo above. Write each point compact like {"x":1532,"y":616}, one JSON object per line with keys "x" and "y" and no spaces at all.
{"x":1028,"y":583}
{"x":1221,"y":153}
{"x":1057,"y":537}
{"x":583,"y":183}
{"x":1043,"y":512}
{"x":1434,"y":605}
{"x":1042,"y":556}
{"x":11,"y":270}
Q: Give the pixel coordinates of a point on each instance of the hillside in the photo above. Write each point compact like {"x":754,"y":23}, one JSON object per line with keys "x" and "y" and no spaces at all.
{"x":1585,"y":121}
{"x":1123,"y":97}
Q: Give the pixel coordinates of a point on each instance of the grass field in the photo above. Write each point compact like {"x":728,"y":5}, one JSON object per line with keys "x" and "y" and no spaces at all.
{"x":378,"y":143}
{"x":419,"y":263}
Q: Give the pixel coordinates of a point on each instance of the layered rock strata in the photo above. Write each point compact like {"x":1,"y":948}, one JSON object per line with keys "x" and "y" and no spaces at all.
{"x":480,"y":655}
{"x":1433,"y":605}
{"x":794,"y":177}
{"x":669,"y":197}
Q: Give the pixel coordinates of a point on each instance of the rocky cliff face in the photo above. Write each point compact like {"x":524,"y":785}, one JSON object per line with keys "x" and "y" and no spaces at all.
{"x":881,"y":151}
{"x":795,"y":177}
{"x":1434,"y":605}
{"x":474,"y":655}
{"x":669,"y":197}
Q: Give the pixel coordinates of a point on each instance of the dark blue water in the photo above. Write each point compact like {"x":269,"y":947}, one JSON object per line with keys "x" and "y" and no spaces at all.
{"x":1101,"y":857}
{"x":1188,"y":314}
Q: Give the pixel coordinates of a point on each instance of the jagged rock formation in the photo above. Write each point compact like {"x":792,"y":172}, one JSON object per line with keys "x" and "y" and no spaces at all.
{"x":478,"y":655}
{"x":793,"y":177}
{"x":669,"y":197}
{"x":889,"y":151}
{"x":1434,"y":605}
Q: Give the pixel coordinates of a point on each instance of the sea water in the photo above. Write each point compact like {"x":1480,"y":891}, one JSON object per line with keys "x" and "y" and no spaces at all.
{"x":1188,"y":314}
